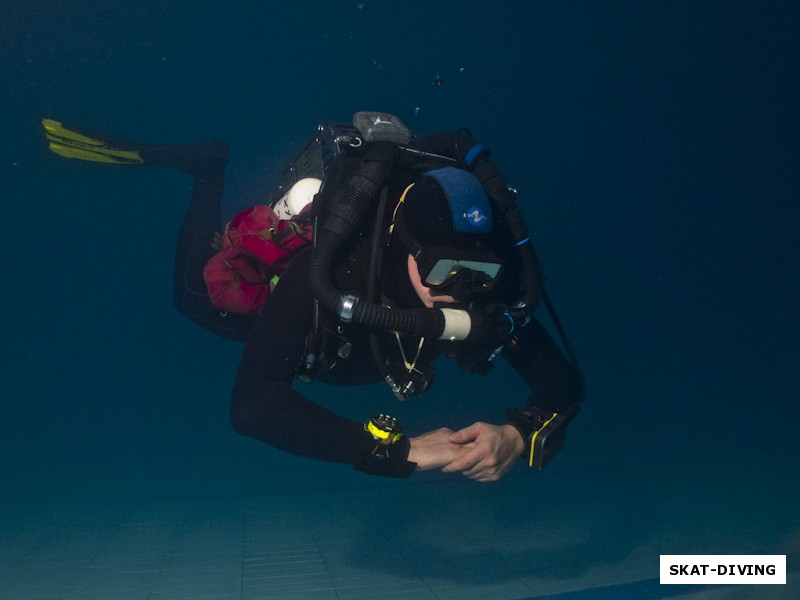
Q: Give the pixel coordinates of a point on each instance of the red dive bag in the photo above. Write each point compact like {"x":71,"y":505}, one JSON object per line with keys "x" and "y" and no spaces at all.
{"x":257,"y":245}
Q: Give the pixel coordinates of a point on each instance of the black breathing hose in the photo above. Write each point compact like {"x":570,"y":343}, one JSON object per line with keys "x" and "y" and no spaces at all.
{"x":531,"y":275}
{"x":349,"y":204}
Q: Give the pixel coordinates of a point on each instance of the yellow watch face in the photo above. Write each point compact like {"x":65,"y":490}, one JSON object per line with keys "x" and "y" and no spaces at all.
{"x":385,"y":429}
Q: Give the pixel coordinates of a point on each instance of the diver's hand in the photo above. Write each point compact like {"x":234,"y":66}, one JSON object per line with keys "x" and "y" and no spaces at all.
{"x":494,"y":450}
{"x":434,"y":449}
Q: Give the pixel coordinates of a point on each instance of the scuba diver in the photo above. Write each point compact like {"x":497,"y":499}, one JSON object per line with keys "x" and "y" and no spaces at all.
{"x":418,"y":251}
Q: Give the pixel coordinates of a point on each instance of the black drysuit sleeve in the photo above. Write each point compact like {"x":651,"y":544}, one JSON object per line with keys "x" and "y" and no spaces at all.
{"x":266,"y":407}
{"x":554,"y":383}
{"x":264,"y":404}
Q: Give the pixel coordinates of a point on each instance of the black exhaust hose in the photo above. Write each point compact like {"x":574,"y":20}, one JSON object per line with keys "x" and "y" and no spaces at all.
{"x":531,"y":275}
{"x":420,"y":322}
{"x":416,"y":322}
{"x":349,"y":204}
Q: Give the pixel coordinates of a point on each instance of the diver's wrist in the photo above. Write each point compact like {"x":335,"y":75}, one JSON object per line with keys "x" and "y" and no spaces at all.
{"x":389,"y":450}
{"x":543,"y":431}
{"x":514,"y":437}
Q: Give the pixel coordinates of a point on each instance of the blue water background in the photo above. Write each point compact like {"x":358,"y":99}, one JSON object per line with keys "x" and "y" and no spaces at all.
{"x":654,"y":145}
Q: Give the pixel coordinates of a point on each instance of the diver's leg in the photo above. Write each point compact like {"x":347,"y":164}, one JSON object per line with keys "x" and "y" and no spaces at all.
{"x":195,"y":244}
{"x":205,"y":162}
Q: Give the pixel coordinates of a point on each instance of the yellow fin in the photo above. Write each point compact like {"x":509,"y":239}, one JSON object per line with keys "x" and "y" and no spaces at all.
{"x":86,"y":146}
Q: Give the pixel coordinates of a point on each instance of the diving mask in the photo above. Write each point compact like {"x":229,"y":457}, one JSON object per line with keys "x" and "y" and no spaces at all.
{"x":439,"y":270}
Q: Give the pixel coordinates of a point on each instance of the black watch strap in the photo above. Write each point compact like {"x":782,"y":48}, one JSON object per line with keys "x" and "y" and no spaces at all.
{"x":388,"y":461}
{"x":388,"y":454}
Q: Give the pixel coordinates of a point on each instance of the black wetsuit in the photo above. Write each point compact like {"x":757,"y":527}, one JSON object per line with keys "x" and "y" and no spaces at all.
{"x":265,"y":405}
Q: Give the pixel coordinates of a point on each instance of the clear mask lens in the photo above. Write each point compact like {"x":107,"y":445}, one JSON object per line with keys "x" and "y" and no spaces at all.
{"x":446,"y":268}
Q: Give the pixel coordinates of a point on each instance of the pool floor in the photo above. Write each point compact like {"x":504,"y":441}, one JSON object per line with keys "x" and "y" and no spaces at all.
{"x":568,"y":536}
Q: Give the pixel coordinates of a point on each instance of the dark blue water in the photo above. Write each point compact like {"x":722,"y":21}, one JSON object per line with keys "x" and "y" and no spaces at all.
{"x":654,"y":144}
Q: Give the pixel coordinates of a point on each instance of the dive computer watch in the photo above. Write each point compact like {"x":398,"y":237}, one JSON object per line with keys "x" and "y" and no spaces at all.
{"x":388,"y":451}
{"x":385,"y":430}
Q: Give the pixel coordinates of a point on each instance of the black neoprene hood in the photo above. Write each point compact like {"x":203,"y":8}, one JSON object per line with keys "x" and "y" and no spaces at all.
{"x":428,"y":215}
